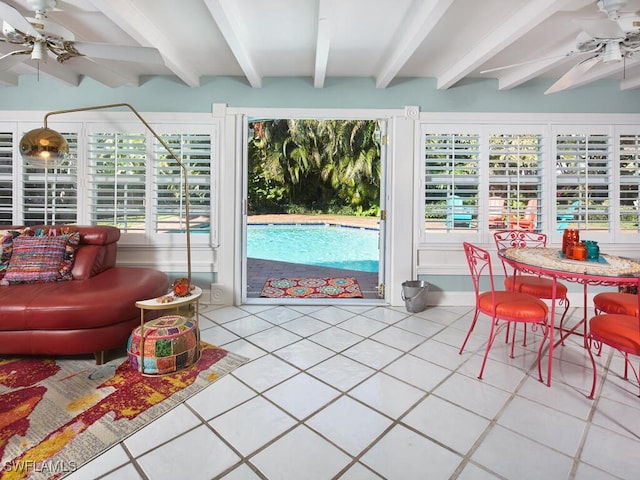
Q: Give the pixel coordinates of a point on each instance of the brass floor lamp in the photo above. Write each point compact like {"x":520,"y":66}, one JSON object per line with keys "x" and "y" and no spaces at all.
{"x":46,"y":148}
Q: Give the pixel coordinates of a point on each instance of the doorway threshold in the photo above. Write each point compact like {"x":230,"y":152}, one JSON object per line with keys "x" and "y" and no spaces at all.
{"x":259,"y":271}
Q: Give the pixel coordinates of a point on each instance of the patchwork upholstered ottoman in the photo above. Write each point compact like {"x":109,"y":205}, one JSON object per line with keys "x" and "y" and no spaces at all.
{"x":170,"y":343}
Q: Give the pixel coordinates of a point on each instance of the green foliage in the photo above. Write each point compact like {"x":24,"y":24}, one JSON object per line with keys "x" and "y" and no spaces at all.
{"x":317,"y":165}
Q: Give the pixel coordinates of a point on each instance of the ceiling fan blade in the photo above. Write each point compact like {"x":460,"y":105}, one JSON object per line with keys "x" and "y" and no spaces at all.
{"x":601,"y":28}
{"x":14,"y":18}
{"x":119,"y":52}
{"x":520,"y":64}
{"x":12,"y":59}
{"x":573,"y":75}
{"x":542,"y":59}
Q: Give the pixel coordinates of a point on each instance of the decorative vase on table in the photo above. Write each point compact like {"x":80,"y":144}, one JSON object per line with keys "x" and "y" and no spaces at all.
{"x":570,"y":237}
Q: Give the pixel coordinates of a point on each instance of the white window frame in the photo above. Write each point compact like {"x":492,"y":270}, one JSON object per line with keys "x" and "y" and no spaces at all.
{"x":592,"y":130}
{"x":479,"y":231}
{"x":548,"y":125}
{"x":83,"y":123}
{"x":212,"y":130}
{"x":621,"y":130}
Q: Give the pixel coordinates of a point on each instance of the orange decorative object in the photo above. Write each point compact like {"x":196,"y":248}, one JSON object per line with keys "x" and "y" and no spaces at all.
{"x":570,"y":237}
{"x":181,"y":287}
{"x":579,"y":252}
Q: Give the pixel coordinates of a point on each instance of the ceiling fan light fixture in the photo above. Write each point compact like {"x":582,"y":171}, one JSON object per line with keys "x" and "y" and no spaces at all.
{"x":44,"y":148}
{"x":612,"y":52}
{"x":39,"y":51}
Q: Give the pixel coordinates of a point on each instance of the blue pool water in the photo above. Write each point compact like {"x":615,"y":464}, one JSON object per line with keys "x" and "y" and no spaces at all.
{"x":321,"y":245}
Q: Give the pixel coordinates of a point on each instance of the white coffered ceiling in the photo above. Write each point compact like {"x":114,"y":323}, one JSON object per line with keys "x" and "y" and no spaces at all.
{"x":450,"y":41}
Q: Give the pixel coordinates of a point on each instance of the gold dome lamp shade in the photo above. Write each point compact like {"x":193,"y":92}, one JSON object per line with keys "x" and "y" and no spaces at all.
{"x":44,"y":148}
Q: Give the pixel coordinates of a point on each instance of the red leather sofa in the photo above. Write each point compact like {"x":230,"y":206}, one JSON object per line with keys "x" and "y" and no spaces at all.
{"x":92,"y":313}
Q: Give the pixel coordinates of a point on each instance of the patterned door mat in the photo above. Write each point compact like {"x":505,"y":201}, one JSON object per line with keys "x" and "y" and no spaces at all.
{"x":335,"y":287}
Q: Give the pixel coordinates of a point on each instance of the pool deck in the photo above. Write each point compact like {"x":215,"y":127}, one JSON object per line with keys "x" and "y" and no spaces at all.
{"x":364,"y":222}
{"x":258,"y":270}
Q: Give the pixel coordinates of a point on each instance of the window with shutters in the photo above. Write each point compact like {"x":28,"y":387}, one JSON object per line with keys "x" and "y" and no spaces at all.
{"x":478,"y":179}
{"x":584,"y":181}
{"x":194,"y":150}
{"x":51,"y":195}
{"x":136,"y":185}
{"x":515,"y":181}
{"x":6,"y":178}
{"x":117,"y":180}
{"x":451,"y":170}
{"x":115,"y":175}
{"x":629,"y":174}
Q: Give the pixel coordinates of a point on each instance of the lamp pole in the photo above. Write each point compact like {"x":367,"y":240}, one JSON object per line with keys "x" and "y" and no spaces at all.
{"x":164,"y":144}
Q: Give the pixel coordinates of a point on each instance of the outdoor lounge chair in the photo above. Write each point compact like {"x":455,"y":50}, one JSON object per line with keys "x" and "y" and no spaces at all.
{"x":457,"y":213}
{"x":565,"y":218}
{"x":496,"y":212}
{"x":528,"y":220}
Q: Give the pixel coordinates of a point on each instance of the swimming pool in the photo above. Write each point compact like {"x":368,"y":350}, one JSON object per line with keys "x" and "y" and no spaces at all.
{"x":316,"y":244}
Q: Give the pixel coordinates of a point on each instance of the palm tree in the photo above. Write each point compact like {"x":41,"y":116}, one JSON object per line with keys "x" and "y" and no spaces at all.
{"x":356,"y":174}
{"x":312,"y":162}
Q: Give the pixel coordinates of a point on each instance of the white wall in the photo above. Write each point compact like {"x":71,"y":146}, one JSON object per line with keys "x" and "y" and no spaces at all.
{"x":33,"y":97}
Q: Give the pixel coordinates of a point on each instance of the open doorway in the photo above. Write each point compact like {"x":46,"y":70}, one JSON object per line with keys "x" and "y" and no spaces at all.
{"x":317,"y":184}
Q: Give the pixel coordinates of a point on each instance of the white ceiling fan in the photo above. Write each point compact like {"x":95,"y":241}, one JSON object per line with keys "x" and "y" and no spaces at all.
{"x":39,"y":38}
{"x":606,"y":40}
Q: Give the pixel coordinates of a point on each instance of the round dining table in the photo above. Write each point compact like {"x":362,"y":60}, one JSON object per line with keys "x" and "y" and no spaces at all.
{"x":606,"y":270}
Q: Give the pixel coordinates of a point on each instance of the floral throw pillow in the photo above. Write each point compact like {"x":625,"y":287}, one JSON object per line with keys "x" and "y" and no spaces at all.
{"x":6,"y":248}
{"x":73,"y":241}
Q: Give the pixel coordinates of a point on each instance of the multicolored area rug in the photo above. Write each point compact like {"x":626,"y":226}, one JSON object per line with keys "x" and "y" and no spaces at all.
{"x":56,"y":415}
{"x":337,"y":287}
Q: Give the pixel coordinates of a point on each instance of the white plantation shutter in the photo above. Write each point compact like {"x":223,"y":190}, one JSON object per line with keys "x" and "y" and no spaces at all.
{"x":194,"y":150}
{"x":6,"y":178}
{"x":451,"y":171}
{"x":516,"y":173}
{"x":629,"y":174}
{"x":584,"y":179}
{"x":51,"y":195}
{"x":123,"y":175}
{"x":117,"y":180}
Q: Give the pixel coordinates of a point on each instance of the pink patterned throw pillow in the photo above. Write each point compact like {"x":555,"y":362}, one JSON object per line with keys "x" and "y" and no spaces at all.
{"x":36,"y":259}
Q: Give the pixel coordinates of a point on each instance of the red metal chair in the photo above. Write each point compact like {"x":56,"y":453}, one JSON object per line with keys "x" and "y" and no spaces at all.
{"x":504,"y":307}
{"x":532,"y":284}
{"x":619,"y":331}
{"x":617,"y":303}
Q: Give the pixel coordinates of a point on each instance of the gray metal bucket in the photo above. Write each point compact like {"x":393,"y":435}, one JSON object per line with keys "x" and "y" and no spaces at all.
{"x":414,"y":294}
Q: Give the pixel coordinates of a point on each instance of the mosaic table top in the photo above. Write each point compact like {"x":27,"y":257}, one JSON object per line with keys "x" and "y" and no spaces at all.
{"x":553,"y":259}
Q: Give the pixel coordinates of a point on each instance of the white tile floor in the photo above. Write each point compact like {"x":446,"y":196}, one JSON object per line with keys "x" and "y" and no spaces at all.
{"x":372,"y":392}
